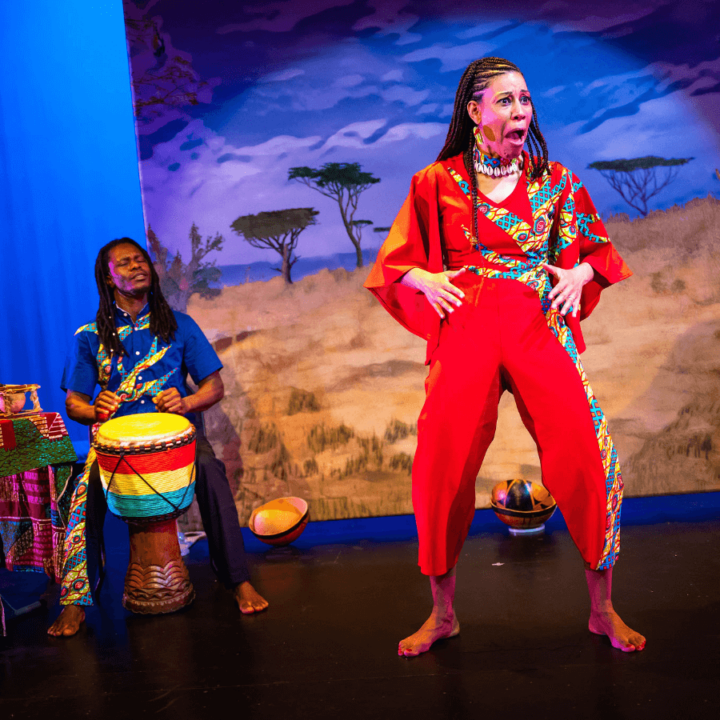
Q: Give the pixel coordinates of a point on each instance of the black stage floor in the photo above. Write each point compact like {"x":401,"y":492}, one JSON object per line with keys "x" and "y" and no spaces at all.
{"x":326,"y":648}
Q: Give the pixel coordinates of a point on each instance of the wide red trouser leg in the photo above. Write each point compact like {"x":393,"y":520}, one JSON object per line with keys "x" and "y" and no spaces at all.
{"x":553,"y":404}
{"x":456,"y":426}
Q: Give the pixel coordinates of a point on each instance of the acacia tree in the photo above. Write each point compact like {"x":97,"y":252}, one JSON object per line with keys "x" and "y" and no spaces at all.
{"x":639,"y":179}
{"x":278,"y":230}
{"x":178,"y":280}
{"x":359,"y":226}
{"x":344,"y":183}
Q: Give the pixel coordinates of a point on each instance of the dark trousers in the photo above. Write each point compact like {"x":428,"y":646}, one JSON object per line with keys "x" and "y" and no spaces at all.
{"x":217,"y":509}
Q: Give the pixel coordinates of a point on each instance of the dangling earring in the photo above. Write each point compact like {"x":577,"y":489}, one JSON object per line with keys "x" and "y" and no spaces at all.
{"x":479,"y":137}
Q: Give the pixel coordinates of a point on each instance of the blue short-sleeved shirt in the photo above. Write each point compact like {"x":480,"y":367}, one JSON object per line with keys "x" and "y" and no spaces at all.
{"x":149,"y":367}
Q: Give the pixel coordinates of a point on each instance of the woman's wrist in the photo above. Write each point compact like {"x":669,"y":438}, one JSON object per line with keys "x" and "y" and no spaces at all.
{"x":589,"y":272}
{"x":413,"y":278}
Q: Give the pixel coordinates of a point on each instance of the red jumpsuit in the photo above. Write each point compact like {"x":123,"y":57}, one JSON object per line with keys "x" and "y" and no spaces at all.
{"x":505,"y":335}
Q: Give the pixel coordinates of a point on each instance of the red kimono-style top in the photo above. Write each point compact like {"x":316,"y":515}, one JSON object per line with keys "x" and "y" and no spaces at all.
{"x":433,"y":231}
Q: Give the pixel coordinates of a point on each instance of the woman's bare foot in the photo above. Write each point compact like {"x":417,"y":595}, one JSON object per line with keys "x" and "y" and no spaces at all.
{"x":248,"y":599}
{"x":434,"y":628}
{"x":621,"y":636}
{"x":603,"y":618}
{"x":68,"y":622}
{"x":442,"y":622}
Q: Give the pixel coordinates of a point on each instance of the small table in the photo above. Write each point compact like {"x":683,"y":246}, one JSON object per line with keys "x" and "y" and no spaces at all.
{"x":36,"y":458}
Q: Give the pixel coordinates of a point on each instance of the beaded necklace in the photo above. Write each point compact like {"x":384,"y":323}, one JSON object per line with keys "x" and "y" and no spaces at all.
{"x":494,"y":166}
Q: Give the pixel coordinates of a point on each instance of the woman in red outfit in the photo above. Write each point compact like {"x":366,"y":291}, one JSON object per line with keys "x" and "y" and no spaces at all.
{"x":494,"y":258}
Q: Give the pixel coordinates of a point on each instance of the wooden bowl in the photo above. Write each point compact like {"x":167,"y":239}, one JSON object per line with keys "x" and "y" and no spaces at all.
{"x":13,"y":399}
{"x":12,"y":404}
{"x":521,"y":504}
{"x":280,"y":521}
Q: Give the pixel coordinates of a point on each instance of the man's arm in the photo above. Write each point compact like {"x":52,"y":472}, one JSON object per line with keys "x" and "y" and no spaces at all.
{"x":80,"y":409}
{"x":210,"y":391}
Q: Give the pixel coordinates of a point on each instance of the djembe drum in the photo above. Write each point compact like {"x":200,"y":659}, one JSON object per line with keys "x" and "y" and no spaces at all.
{"x":147,"y":469}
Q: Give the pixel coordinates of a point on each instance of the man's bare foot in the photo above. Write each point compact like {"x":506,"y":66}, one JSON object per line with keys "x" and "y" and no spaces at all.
{"x":68,"y":622}
{"x":433,"y":629}
{"x":621,"y":636}
{"x":248,"y":599}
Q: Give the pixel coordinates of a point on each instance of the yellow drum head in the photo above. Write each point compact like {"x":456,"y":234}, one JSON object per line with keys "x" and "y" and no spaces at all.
{"x":144,"y":429}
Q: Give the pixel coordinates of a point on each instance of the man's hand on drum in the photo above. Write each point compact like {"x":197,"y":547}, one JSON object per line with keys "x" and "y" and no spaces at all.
{"x":171,"y":401}
{"x":566,"y":294}
{"x":106,"y":403}
{"x":442,"y":295}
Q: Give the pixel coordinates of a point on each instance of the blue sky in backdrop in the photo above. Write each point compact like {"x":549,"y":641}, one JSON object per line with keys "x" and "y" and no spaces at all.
{"x":291,"y":83}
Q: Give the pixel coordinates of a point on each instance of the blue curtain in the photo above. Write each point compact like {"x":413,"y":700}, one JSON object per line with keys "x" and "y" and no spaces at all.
{"x":68,"y":178}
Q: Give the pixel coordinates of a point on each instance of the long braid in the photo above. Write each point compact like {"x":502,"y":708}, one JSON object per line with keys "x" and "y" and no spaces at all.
{"x":460,"y":124}
{"x":474,"y":81}
{"x":162,"y":320}
{"x":470,"y":167}
{"x":538,"y":148}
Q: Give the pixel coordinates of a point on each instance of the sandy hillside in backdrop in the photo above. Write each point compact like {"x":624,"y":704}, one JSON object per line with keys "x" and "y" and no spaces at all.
{"x":323,"y":388}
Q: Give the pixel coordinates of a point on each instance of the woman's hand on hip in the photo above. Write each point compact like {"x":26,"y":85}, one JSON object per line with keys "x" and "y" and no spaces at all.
{"x":442,"y":295}
{"x":566,"y":294}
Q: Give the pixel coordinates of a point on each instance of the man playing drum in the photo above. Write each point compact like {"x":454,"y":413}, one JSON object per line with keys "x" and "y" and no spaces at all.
{"x":140,"y":352}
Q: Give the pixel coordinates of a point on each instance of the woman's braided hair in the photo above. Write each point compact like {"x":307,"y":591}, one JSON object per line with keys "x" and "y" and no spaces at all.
{"x":460,"y":138}
{"x":162,"y":320}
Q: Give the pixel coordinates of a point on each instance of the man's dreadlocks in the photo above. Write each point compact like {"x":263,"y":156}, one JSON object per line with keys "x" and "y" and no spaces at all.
{"x":162,"y":320}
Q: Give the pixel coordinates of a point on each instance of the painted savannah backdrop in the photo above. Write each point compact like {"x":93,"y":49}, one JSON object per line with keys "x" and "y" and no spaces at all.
{"x":277,"y":141}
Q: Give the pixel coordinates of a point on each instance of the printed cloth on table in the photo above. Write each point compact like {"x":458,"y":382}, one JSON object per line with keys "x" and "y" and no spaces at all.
{"x":36,"y":458}
{"x":34,"y":441}
{"x":33,"y":519}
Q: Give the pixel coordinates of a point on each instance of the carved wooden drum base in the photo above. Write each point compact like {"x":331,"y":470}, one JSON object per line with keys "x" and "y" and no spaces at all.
{"x":157,"y":580}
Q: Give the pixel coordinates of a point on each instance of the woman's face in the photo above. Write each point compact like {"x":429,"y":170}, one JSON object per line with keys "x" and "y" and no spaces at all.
{"x":503,"y":114}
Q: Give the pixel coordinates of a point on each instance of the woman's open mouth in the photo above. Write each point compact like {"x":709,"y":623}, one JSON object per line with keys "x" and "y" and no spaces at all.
{"x":516,"y":135}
